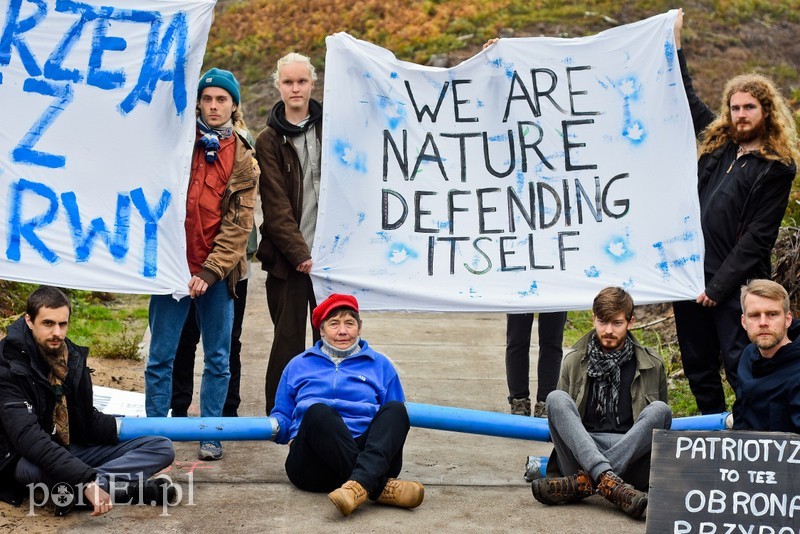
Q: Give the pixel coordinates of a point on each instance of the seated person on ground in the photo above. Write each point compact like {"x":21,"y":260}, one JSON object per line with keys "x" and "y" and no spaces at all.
{"x":340,"y":407}
{"x":768,"y":387}
{"x":611,"y":395}
{"x":50,"y":432}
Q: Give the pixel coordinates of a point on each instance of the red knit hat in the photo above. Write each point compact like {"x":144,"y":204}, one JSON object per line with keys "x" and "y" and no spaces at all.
{"x":336,"y":300}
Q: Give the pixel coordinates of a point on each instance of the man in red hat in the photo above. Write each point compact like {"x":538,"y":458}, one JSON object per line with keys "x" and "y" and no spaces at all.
{"x":339,"y":406}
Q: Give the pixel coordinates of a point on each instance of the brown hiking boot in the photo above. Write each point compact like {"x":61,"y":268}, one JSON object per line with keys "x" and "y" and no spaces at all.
{"x":402,"y":493}
{"x":630,"y":500}
{"x":520,"y":406}
{"x":558,"y":490}
{"x":348,"y":497}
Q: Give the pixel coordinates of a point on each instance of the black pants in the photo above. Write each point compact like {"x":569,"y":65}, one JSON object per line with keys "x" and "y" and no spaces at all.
{"x":518,"y":347}
{"x":324,"y":455}
{"x":704,"y":334}
{"x":289,"y":302}
{"x":183,"y":367}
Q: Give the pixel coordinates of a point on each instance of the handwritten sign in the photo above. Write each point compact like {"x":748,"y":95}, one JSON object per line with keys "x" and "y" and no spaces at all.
{"x":96,"y":143}
{"x":526,"y":178}
{"x":724,"y":482}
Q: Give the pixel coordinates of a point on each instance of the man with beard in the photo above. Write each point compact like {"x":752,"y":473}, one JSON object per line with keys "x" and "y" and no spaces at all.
{"x":289,"y":154}
{"x":50,"y":431}
{"x":748,"y":154}
{"x":768,"y":389}
{"x":611,"y":395}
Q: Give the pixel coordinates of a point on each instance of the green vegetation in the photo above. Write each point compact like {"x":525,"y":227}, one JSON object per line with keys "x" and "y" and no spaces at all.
{"x":112,"y":325}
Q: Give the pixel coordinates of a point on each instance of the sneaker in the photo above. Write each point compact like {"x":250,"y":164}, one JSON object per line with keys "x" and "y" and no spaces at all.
{"x":559,"y":490}
{"x":155,"y":492}
{"x":540,"y":409}
{"x":520,"y":406}
{"x":210,"y":450}
{"x":630,"y":500}
{"x":402,"y":493}
{"x":348,"y":497}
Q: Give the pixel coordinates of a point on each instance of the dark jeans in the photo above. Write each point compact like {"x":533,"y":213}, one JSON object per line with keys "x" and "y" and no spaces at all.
{"x":324,"y":455}
{"x":518,"y":347}
{"x":289,"y":302}
{"x":134,"y":460}
{"x":704,"y":334}
{"x":183,"y":366}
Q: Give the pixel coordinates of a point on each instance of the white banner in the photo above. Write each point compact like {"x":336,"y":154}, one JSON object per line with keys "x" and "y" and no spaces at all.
{"x":95,"y":149}
{"x":528,"y":177}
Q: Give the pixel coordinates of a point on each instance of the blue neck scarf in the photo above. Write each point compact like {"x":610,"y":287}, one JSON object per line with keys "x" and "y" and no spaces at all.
{"x":209,"y":141}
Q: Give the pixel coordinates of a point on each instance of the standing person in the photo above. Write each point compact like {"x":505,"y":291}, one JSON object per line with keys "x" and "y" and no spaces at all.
{"x":289,"y":156}
{"x":611,"y":395}
{"x":219,"y":217}
{"x":518,"y":359}
{"x":50,"y":431}
{"x":768,"y":389}
{"x":340,"y":408}
{"x":748,"y":153}
{"x":183,"y":367}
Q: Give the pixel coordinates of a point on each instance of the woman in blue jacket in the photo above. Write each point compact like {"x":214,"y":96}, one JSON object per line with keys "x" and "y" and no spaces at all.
{"x":340,"y":408}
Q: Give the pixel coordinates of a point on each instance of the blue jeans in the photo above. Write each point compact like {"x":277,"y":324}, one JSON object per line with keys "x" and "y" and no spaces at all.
{"x":214,"y":312}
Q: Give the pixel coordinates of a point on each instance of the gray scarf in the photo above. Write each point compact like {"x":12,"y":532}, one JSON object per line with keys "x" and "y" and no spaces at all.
{"x":604,"y":368}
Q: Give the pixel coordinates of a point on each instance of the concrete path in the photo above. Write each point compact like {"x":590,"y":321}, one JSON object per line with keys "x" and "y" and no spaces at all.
{"x":473,"y":483}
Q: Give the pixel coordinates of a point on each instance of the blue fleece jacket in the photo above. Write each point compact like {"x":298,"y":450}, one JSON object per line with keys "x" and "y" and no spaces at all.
{"x":768,"y":390}
{"x":356,"y":388}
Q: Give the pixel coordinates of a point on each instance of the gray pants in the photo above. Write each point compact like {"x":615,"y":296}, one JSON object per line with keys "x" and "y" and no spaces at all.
{"x":134,"y":460}
{"x":596,"y":452}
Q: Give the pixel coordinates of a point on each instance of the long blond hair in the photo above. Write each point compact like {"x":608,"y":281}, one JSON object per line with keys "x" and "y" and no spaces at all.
{"x":780,"y":139}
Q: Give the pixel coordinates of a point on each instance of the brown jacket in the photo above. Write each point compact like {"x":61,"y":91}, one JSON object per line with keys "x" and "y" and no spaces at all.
{"x":228,"y":258}
{"x":282,"y":246}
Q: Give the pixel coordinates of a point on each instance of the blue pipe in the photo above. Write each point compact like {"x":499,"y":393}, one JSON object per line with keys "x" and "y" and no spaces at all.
{"x":199,"y":428}
{"x":477,"y":422}
{"x":420,"y":415}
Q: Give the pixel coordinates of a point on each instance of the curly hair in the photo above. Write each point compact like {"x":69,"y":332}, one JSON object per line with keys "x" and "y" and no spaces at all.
{"x":780,"y":140}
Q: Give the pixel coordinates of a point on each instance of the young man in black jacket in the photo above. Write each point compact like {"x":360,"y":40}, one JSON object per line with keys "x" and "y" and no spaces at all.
{"x":747,"y":161}
{"x":50,"y":432}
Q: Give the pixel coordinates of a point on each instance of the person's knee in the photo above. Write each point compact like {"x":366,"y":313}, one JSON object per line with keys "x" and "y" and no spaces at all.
{"x":558,"y":398}
{"x":396,"y":409}
{"x":659,"y":413}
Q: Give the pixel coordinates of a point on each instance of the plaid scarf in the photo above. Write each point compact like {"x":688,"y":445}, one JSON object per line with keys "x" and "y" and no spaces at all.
{"x":58,"y":373}
{"x":209,"y":141}
{"x":604,"y":368}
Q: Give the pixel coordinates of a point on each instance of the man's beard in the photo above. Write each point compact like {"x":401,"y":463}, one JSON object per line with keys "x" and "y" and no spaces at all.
{"x":758,"y":131}
{"x":770,"y":342}
{"x":47,"y":350}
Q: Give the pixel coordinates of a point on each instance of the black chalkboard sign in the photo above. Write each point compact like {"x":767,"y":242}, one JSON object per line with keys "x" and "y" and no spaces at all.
{"x":724,"y":482}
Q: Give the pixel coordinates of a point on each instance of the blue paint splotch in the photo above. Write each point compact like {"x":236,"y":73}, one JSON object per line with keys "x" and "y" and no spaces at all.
{"x":677,"y":262}
{"x":533,"y":290}
{"x":592,"y":272}
{"x":669,"y":54}
{"x":400,"y":253}
{"x":361,"y":217}
{"x":618,"y":249}
{"x":346,"y":156}
{"x":631,"y":91}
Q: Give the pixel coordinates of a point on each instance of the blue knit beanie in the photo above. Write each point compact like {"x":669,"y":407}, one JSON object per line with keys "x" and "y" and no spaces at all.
{"x":220,"y":78}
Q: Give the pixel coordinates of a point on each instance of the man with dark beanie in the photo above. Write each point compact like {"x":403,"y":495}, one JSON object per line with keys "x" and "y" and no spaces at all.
{"x":219,"y":217}
{"x":340,"y":408}
{"x":289,"y":156}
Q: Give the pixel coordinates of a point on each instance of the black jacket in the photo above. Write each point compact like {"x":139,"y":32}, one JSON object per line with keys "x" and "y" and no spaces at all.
{"x":742,"y":203}
{"x":27,"y":401}
{"x":768,"y":390}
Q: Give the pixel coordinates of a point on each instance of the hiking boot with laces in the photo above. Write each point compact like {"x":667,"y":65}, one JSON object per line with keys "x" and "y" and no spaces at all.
{"x":559,"y":490}
{"x":349,"y":497}
{"x":540,"y":409}
{"x":627,"y":498}
{"x":520,"y":406}
{"x":402,"y":493}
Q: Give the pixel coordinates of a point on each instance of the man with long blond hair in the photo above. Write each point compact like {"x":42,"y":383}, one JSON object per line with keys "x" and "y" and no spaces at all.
{"x":747,"y":161}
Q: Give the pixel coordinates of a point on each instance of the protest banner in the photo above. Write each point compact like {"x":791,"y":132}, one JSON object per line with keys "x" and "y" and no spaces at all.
{"x":526,"y":178}
{"x":96,"y":143}
{"x":723,"y":482}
